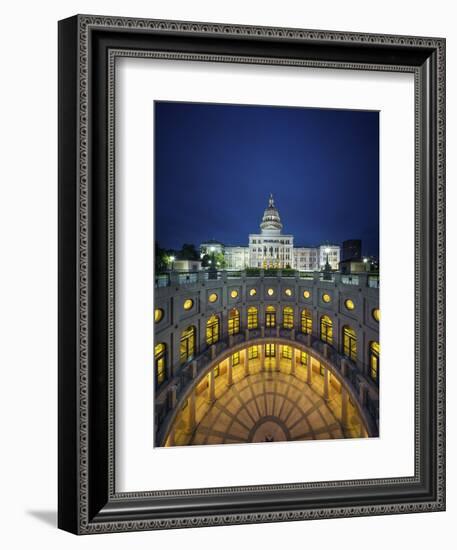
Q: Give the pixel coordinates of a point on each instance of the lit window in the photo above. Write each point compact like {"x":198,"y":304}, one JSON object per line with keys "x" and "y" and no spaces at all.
{"x":374,"y":350}
{"x":234,"y":293}
{"x":303,"y":358}
{"x":253,"y":352}
{"x":270,"y":317}
{"x":288,"y":292}
{"x":234,"y":321}
{"x":188,"y":304}
{"x":349,"y":304}
{"x":326,"y":298}
{"x":212,"y":330}
{"x":288,"y":317}
{"x":306,"y":322}
{"x":270,"y":350}
{"x":236,"y":358}
{"x":376,"y":314}
{"x":158,"y":314}
{"x":306,"y":294}
{"x":160,"y":353}
{"x":326,"y":329}
{"x":253,"y":318}
{"x":212,"y":297}
{"x":252,"y":292}
{"x":286,"y":352}
{"x":187,"y":345}
{"x":270,"y":292}
{"x":350,"y":343}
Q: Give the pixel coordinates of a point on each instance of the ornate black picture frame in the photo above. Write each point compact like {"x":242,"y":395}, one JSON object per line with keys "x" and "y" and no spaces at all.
{"x":88,"y":501}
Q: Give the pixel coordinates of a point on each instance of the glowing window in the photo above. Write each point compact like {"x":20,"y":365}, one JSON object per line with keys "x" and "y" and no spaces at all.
{"x":234,"y":321}
{"x":286,"y":352}
{"x":288,"y":317}
{"x":160,"y":358}
{"x":212,"y":297}
{"x":306,"y":322}
{"x":158,"y":315}
{"x":253,"y":318}
{"x":187,"y":344}
{"x":253,"y":352}
{"x":306,"y":294}
{"x":270,"y":350}
{"x":252,"y":292}
{"x":234,"y":294}
{"x":373,"y":353}
{"x":188,"y":304}
{"x":349,"y":304}
{"x":288,"y":292}
{"x":350,"y":343}
{"x":236,"y":358}
{"x":270,"y":317}
{"x":303,"y":358}
{"x":212,"y":330}
{"x":376,"y":314}
{"x":270,"y":292}
{"x":326,"y":298}
{"x":326,"y":329}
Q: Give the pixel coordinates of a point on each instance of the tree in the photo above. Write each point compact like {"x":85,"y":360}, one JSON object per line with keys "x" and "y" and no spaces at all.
{"x":214,"y":260}
{"x":188,"y":252}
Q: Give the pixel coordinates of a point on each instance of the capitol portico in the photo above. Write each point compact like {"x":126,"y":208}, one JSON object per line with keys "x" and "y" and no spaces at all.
{"x":273,"y":249}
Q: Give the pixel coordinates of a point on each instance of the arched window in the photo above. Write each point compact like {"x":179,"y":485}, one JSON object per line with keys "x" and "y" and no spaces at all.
{"x":234,"y":321}
{"x":288,"y":317}
{"x":374,"y":360}
{"x":306,"y":322}
{"x":350,"y":343}
{"x":270,"y":317}
{"x":187,"y":345}
{"x":253,"y":317}
{"x":212,"y":330}
{"x":160,"y":358}
{"x":326,"y":329}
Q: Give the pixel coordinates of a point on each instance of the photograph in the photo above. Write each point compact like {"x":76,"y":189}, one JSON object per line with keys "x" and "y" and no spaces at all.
{"x":267,"y":274}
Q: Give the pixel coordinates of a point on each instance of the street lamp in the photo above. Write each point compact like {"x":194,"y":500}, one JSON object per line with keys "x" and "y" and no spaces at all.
{"x":172,"y":259}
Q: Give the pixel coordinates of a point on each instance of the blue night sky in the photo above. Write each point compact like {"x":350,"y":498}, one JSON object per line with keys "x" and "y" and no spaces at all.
{"x":215,"y":166}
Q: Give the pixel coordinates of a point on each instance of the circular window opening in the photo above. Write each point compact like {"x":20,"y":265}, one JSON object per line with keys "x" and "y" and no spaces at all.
{"x":234,"y":293}
{"x":349,"y":304}
{"x":270,"y":292}
{"x":306,"y":294}
{"x":376,"y":314}
{"x":188,"y":304}
{"x":288,"y":292}
{"x":326,"y":298}
{"x":212,"y":297}
{"x":252,"y":292}
{"x":158,"y":315}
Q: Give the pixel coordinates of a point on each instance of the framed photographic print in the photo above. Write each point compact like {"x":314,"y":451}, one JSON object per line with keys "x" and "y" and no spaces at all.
{"x":250,"y":219}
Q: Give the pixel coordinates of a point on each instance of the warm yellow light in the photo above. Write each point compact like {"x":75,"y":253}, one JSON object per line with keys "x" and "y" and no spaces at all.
{"x":252,"y":292}
{"x":188,"y":304}
{"x":326,"y":298}
{"x":234,"y":293}
{"x":349,"y":304}
{"x":158,"y":314}
{"x":288,"y":292}
{"x":212,"y":297}
{"x":270,"y":292}
{"x":306,"y":294}
{"x":376,"y":314}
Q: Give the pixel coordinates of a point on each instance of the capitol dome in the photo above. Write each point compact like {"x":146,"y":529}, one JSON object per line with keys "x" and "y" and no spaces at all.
{"x":271,"y":222}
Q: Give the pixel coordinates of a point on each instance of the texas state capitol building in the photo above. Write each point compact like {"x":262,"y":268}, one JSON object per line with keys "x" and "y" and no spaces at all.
{"x":266,"y":355}
{"x":272,"y":249}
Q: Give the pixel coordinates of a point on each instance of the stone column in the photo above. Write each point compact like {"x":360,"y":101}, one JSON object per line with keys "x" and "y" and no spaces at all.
{"x":344,"y":407}
{"x":244,"y":357}
{"x":172,"y":396}
{"x":326,"y":383}
{"x":230,"y":371}
{"x":211,"y":392}
{"x":262,"y":357}
{"x":191,"y":413}
{"x":194,"y":369}
{"x":294,"y":361}
{"x":309,"y":371}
